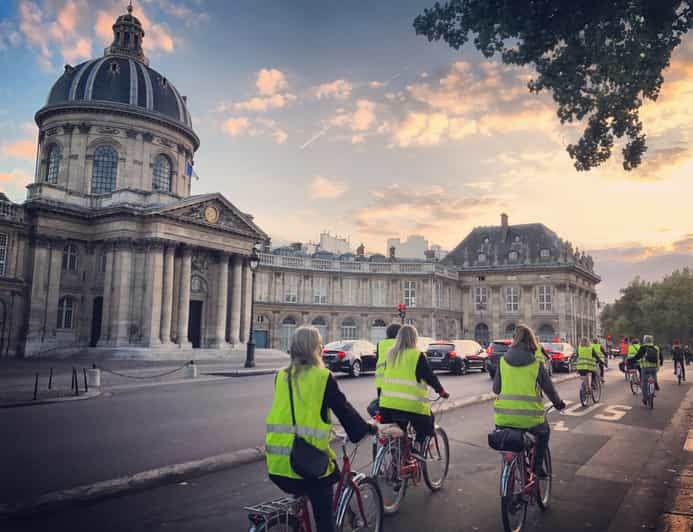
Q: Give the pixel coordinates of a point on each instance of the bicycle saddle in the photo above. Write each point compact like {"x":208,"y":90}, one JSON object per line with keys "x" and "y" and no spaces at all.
{"x":391,"y":430}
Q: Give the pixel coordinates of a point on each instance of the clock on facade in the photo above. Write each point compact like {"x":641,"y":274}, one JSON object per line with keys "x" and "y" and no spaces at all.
{"x":211,"y":214}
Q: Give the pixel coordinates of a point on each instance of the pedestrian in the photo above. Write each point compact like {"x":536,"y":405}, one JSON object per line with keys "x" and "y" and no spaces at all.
{"x":304,"y":394}
{"x":678,"y":354}
{"x":519,"y":381}
{"x":688,"y":354}
{"x":404,"y":395}
{"x":650,"y":358}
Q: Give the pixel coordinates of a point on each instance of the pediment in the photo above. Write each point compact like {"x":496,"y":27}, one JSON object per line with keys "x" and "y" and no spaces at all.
{"x":215,"y":211}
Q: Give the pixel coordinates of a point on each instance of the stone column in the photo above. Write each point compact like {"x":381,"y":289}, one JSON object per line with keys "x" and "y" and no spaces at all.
{"x":107,"y":303}
{"x":222,"y":293}
{"x":246,"y":312}
{"x":153,"y":294}
{"x":39,"y":294}
{"x":167,"y":295}
{"x":122,"y":290}
{"x":184,"y":298}
{"x":236,"y":299}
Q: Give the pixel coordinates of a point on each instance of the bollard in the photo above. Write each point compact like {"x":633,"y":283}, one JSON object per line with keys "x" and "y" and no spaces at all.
{"x":72,"y":384}
{"x":86,"y":386}
{"x":74,"y":376}
{"x":191,"y":370}
{"x":36,"y":386}
{"x":94,"y":376}
{"x":50,"y":379}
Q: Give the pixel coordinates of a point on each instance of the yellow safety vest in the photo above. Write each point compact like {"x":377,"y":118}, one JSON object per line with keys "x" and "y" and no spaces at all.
{"x":585,"y":359}
{"x":400,"y":390}
{"x":308,"y":394}
{"x":598,"y":349}
{"x":644,"y":363}
{"x":519,"y":404}
{"x":633,"y":350}
{"x":383,"y":347}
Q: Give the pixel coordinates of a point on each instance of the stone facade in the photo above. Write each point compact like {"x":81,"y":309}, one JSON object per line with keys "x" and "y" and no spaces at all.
{"x":496,"y":278}
{"x":109,"y":249}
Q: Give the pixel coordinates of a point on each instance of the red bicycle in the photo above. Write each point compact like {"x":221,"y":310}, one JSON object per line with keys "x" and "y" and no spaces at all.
{"x":358,"y":504}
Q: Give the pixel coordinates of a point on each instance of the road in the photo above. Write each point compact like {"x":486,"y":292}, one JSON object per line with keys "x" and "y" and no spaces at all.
{"x":131,"y":430}
{"x":612,"y":463}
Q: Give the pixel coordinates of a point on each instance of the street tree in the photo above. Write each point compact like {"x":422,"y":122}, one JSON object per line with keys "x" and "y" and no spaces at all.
{"x":599,"y":60}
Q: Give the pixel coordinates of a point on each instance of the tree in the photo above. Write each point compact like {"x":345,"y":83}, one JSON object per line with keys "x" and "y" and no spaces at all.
{"x":599,"y":59}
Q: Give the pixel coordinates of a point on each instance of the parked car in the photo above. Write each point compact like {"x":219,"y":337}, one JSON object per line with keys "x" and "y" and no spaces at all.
{"x":498,"y":348}
{"x":350,"y":356}
{"x":423,"y":343}
{"x":456,"y":356}
{"x":563,"y":356}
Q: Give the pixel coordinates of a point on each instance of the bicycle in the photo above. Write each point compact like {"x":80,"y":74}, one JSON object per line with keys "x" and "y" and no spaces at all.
{"x":651,"y":390}
{"x":633,"y":378}
{"x":519,"y":485}
{"x":395,"y":467}
{"x":593,"y":392}
{"x":679,"y":372}
{"x":355,"y":493}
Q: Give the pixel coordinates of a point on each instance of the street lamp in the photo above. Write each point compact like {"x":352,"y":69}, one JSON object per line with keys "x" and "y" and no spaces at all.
{"x":253,"y":262}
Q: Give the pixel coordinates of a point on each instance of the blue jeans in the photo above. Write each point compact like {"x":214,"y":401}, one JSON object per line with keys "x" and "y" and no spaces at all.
{"x":646,"y":372}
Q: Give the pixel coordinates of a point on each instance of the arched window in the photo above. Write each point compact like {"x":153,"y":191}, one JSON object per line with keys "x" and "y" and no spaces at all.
{"x":53,"y":164}
{"x":481,"y":334}
{"x":70,"y":258}
{"x":321,"y":325}
{"x":161,"y":173}
{"x":105,"y":170}
{"x":66,"y":312}
{"x":378,"y":328}
{"x":348,"y":329}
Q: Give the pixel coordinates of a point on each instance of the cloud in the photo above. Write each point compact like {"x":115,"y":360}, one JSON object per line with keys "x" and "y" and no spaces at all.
{"x":376,"y":84}
{"x":339,"y":89}
{"x":245,"y":126}
{"x":427,"y":129}
{"x":9,"y":36}
{"x":659,"y":162}
{"x":280,"y":136}
{"x":364,"y":116}
{"x":15,"y":178}
{"x":236,"y":126}
{"x":322,"y":187}
{"x":270,"y":81}
{"x":263,"y":104}
{"x":191,"y":17}
{"x":20,"y":149}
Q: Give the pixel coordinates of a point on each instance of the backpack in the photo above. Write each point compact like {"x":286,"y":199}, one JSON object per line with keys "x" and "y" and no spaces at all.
{"x":652,"y":356}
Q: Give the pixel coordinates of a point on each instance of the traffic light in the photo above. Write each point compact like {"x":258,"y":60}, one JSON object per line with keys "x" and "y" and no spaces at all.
{"x":402,"y":311}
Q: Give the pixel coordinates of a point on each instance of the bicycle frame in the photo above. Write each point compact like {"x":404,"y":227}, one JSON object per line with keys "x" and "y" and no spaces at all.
{"x":347,"y":484}
{"x":529,"y":479}
{"x":408,"y":469}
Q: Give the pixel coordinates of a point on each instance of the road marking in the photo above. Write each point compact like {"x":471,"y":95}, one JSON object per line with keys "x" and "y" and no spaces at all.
{"x":559,"y":426}
{"x":688,"y":446}
{"x":578,"y":410}
{"x":613,"y":412}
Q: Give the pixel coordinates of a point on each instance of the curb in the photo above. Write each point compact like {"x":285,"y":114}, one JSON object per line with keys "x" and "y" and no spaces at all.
{"x":244,"y":372}
{"x":87,"y":395}
{"x":168,"y":474}
{"x":109,"y":488}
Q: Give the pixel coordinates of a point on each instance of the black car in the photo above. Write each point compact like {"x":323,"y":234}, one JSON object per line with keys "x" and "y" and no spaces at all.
{"x":456,"y":356}
{"x":563,"y":356}
{"x":498,"y":348}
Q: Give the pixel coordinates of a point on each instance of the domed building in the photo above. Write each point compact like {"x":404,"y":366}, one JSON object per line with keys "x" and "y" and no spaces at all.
{"x":110,"y":249}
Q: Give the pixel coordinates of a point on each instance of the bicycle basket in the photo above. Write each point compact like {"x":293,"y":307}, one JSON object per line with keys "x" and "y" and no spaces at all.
{"x":508,"y":440}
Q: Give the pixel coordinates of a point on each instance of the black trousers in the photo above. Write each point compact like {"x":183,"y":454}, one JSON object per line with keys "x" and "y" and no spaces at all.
{"x":423,"y":425}
{"x":542,"y":433}
{"x":319,"y":492}
{"x":683,"y":368}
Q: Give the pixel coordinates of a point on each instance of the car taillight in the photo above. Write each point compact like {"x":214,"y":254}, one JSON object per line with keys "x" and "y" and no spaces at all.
{"x":453,"y":354}
{"x":489,"y":350}
{"x":341,"y":354}
{"x":558,"y":356}
{"x":507,"y":342}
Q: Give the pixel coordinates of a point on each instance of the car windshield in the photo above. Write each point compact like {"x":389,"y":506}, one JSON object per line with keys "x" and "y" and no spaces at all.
{"x":556,"y":348}
{"x":338,"y":346}
{"x":500,"y":347}
{"x":445,"y":348}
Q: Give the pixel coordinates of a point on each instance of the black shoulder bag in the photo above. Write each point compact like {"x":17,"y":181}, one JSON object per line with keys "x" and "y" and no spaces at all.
{"x":306,"y":460}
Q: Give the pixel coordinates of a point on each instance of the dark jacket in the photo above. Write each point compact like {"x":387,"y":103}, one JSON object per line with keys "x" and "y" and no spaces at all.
{"x":678,"y":354}
{"x":519,"y":356}
{"x":644,"y":348}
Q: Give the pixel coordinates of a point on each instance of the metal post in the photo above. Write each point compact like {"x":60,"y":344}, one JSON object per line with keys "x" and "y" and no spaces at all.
{"x":72,"y":383}
{"x":36,"y":386}
{"x":50,"y":379}
{"x":250,"y":347}
{"x":74,"y":372}
{"x":86,"y":386}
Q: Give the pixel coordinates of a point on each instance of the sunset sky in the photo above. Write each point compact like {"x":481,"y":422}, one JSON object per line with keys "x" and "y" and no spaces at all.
{"x":335,"y":115}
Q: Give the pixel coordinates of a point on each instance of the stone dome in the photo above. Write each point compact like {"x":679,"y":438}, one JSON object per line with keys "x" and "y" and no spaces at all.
{"x":121,"y":80}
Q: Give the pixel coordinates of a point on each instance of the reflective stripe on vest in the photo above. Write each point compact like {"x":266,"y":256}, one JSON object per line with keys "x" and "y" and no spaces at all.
{"x":400,"y":390}
{"x":308,"y":394}
{"x":585,"y":359}
{"x":383,"y":347}
{"x":633,"y":350}
{"x":519,"y":404}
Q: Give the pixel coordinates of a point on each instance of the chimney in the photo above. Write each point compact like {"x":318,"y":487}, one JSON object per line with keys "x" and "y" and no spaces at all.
{"x":361,"y":250}
{"x":392,"y":252}
{"x":504,"y":227}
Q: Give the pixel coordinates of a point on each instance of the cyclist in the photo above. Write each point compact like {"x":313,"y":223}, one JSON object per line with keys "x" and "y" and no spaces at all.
{"x":588,"y":358}
{"x":679,"y":356}
{"x":519,"y":381}
{"x":382,"y":349}
{"x":315,"y":392}
{"x":650,"y":357}
{"x":633,"y":349}
{"x":602,"y":355}
{"x":404,"y":397}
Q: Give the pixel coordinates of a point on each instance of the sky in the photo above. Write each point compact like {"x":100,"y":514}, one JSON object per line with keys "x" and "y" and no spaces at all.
{"x":329,"y":115}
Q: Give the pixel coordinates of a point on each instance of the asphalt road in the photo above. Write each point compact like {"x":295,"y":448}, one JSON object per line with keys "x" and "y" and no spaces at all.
{"x":126,"y":431}
{"x":612,"y":463}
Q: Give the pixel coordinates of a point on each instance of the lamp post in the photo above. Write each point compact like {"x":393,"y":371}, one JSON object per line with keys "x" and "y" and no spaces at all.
{"x":253,"y":262}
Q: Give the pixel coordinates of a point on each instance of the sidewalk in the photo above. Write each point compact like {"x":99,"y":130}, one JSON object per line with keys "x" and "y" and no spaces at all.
{"x":18,"y":376}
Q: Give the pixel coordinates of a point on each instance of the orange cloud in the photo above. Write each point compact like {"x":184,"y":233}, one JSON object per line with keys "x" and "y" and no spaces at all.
{"x":339,"y":89}
{"x":270,"y":81}
{"x":322,"y":187}
{"x":21,"y":149}
{"x":16,"y":177}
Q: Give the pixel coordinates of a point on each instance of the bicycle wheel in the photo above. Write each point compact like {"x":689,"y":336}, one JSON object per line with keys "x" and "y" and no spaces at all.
{"x":650,"y":398}
{"x":280,"y":523}
{"x":634,"y":386}
{"x":351,"y":518}
{"x":596,"y":389}
{"x":583,"y":395}
{"x":435,"y":468}
{"x":544,"y":486}
{"x":392,"y":489}
{"x":513,"y":503}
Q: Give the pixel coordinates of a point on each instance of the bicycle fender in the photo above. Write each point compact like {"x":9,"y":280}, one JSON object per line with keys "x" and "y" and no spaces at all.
{"x":342,"y":504}
{"x":505,"y":477}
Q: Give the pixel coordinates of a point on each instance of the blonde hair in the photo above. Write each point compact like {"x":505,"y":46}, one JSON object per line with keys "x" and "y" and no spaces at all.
{"x":305,"y":352}
{"x":585,"y":342}
{"x":407,"y":338}
{"x":524,"y":336}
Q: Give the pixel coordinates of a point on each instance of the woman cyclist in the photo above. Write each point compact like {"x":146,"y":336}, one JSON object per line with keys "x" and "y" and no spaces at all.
{"x":315,"y":392}
{"x":403,"y":396}
{"x":587,"y":364}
